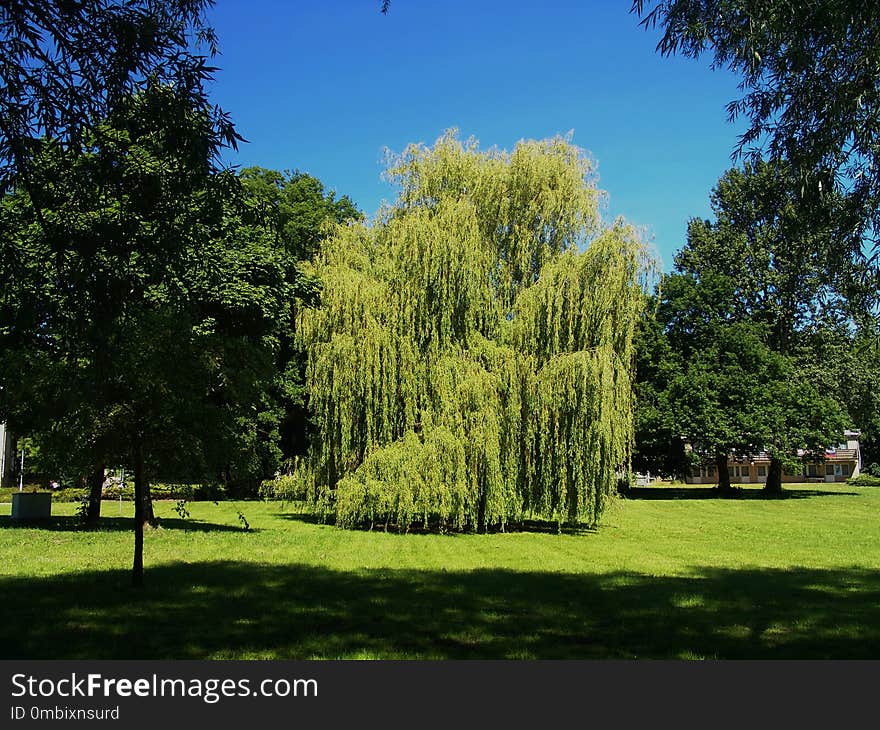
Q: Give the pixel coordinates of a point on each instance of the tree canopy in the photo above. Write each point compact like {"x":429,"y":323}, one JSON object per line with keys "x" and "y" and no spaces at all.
{"x":811,"y":89}
{"x":767,"y":257}
{"x":470,"y":360}
{"x":138,"y":318}
{"x":735,"y":323}
{"x":297,"y":212}
{"x":65,"y":65}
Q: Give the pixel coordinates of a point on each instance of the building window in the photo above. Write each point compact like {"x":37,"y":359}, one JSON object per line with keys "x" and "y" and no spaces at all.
{"x":711,"y":471}
{"x":846,"y":470}
{"x":812,"y":471}
{"x":829,"y":470}
{"x":762,"y":471}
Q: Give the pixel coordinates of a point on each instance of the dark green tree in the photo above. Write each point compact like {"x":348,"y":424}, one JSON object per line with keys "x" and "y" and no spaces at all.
{"x":138,"y":320}
{"x":706,"y":372}
{"x":798,"y":419}
{"x":716,"y":385}
{"x":297,"y":212}
{"x":849,"y":369}
{"x":761,"y":264}
{"x":657,"y":445}
{"x":859,"y":392}
{"x":718,"y":395}
{"x":773,"y":250}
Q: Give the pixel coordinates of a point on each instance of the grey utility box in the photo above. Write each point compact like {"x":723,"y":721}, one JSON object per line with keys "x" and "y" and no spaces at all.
{"x":31,"y":505}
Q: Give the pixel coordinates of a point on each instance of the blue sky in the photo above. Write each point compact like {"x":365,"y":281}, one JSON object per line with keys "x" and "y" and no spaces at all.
{"x":325,"y":86}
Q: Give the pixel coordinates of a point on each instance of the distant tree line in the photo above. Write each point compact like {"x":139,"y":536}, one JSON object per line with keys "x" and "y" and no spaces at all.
{"x":752,"y":344}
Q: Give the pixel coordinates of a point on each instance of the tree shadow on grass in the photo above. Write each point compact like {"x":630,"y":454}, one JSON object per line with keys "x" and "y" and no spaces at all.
{"x":530,"y":525}
{"x":671,"y":493}
{"x":248,"y":610}
{"x":72,"y":523}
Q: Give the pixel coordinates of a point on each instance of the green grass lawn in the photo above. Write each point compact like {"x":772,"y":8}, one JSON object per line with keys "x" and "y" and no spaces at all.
{"x":673,"y":573}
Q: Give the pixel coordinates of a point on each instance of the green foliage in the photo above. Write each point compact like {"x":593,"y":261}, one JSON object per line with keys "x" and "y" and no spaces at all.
{"x":733,"y":361}
{"x":469,"y":362}
{"x":412,"y":479}
{"x":720,"y":392}
{"x":82,"y":507}
{"x":295,"y":486}
{"x":296,"y":208}
{"x":66,"y":65}
{"x":850,"y":370}
{"x":735,"y":394}
{"x":657,"y":444}
{"x":181,"y":510}
{"x":811,"y":77}
{"x":767,"y":257}
{"x":140,"y":300}
{"x":296,"y":212}
{"x":867,"y":479}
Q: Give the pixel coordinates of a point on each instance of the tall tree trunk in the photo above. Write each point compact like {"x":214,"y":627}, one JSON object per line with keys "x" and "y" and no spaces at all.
{"x":723,"y":473}
{"x":96,"y":486}
{"x":137,"y":570}
{"x":149,"y":517}
{"x":481,"y":512}
{"x":774,"y":477}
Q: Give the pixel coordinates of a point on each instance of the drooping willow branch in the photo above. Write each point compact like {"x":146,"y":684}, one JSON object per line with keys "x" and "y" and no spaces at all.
{"x":470,"y":360}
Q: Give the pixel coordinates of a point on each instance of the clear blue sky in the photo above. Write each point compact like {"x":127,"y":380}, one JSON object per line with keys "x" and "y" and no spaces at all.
{"x":324,"y":86}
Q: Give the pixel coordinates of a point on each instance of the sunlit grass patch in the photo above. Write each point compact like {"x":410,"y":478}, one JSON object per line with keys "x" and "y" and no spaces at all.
{"x":681,"y":578}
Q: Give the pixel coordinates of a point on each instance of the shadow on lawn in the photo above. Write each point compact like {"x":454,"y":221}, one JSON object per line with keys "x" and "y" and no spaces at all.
{"x":71,"y":523}
{"x":530,"y":525}
{"x":226,"y":609}
{"x":736,"y":493}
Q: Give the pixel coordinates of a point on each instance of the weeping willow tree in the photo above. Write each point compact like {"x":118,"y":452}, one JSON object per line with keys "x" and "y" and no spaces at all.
{"x":470,"y":360}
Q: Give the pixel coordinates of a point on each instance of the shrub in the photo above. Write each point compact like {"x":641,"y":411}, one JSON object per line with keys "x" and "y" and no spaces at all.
{"x":865,"y":480}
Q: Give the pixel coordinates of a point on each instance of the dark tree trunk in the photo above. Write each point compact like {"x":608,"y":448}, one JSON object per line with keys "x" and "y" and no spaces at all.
{"x":149,"y":517}
{"x":481,"y":512}
{"x":723,"y":474}
{"x":774,"y":477}
{"x":137,"y":571}
{"x":96,"y":486}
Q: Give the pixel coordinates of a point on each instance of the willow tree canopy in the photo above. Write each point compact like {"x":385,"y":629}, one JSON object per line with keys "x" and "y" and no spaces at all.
{"x":470,"y":361}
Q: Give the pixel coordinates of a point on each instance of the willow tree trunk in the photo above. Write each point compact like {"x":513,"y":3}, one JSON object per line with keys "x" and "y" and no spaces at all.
{"x":137,"y":570}
{"x":96,"y":486}
{"x":723,"y":474}
{"x":774,"y":477}
{"x":148,"y":517}
{"x":481,"y":512}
